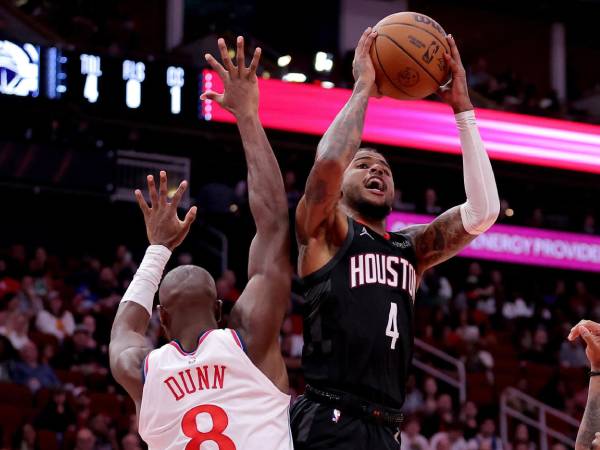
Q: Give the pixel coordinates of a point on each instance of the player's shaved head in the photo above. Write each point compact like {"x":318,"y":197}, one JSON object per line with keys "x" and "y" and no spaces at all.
{"x":188,"y":300}
{"x":187,"y":287}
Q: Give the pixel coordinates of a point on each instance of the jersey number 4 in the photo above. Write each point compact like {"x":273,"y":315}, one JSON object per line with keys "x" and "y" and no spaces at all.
{"x":189,"y":426}
{"x":392,"y":326}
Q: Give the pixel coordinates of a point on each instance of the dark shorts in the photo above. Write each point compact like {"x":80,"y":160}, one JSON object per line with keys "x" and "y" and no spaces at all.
{"x":321,"y":427}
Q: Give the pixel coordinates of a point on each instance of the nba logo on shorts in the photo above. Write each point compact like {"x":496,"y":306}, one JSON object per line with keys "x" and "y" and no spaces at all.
{"x":336,"y":415}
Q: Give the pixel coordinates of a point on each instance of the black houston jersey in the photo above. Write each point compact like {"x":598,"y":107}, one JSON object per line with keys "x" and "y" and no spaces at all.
{"x":358,"y":317}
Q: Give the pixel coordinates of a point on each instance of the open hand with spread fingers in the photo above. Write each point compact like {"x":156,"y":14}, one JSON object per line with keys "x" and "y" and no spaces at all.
{"x":456,"y":92}
{"x":240,"y":96}
{"x":162,"y":223}
{"x":590,"y":333}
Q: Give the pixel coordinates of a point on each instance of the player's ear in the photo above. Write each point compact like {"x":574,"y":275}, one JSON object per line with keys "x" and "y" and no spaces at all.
{"x":165,"y":320}
{"x":219,"y":310}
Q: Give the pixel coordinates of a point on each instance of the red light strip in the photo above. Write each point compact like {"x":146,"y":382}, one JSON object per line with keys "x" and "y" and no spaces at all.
{"x":310,"y":109}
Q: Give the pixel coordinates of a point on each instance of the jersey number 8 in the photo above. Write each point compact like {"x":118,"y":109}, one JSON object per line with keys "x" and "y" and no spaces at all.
{"x":220,"y":421}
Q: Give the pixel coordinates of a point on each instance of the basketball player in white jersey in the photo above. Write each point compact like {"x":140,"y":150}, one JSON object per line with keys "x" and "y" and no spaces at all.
{"x":212,"y":388}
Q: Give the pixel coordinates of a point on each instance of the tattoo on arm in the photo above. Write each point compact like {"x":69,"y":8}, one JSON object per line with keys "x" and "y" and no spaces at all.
{"x":441,"y":239}
{"x":590,"y":423}
{"x":339,"y":144}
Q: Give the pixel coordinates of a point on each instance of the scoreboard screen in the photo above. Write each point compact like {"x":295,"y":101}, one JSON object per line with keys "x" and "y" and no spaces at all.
{"x":19,"y":69}
{"x":111,"y":86}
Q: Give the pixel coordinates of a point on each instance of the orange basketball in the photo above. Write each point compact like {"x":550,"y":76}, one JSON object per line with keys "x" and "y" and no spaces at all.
{"x":408,"y":55}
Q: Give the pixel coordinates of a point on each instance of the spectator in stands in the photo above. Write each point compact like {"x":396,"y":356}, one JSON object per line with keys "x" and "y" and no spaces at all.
{"x":39,"y":264}
{"x":107,"y":290}
{"x":16,"y":329}
{"x":57,"y":415}
{"x":411,"y":437}
{"x":468,"y":419}
{"x":30,"y":303}
{"x":226,"y":289}
{"x":430,"y":389}
{"x":86,"y":440}
{"x":539,"y":351}
{"x":467,"y":328}
{"x":77,"y":354}
{"x":480,"y":79}
{"x":522,"y":439}
{"x":56,"y":320}
{"x":435,"y":289}
{"x":106,"y":435}
{"x":431,"y":205}
{"x":131,"y":442}
{"x":414,"y":398}
{"x":451,"y":439}
{"x":441,"y":418}
{"x":26,"y":438}
{"x":30,"y":372}
{"x":124,"y":266}
{"x":89,"y":324}
{"x":518,"y":308}
{"x":486,"y":438}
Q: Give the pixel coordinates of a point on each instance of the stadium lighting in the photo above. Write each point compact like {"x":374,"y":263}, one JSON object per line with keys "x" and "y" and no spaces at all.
{"x":327,"y":84}
{"x":323,"y":62}
{"x":294,"y":77}
{"x":284,"y":60}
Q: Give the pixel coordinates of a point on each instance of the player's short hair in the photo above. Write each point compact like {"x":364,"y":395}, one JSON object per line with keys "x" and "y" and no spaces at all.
{"x":370,"y":149}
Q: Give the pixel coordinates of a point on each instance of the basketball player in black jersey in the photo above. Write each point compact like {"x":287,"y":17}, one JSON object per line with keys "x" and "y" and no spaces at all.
{"x":360,"y":281}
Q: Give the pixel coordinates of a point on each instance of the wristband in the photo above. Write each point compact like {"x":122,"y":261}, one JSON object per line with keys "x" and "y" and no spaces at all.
{"x":594,"y":373}
{"x":145,"y":283}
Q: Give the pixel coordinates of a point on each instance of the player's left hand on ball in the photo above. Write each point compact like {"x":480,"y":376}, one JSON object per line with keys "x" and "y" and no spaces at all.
{"x":162,"y":223}
{"x":456,"y":92}
{"x":590,"y":332}
{"x":240,"y":82}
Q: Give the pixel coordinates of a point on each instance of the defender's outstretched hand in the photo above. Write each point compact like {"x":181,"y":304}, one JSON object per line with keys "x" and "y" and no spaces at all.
{"x":240,"y":82}
{"x":162,"y":224}
{"x":456,"y":92}
{"x":590,"y":333}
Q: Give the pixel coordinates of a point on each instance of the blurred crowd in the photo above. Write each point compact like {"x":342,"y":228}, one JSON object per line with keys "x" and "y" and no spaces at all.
{"x":56,"y":312}
{"x":511,"y":91}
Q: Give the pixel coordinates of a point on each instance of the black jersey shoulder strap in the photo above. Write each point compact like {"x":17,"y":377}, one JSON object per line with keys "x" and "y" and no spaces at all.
{"x":313,"y":278}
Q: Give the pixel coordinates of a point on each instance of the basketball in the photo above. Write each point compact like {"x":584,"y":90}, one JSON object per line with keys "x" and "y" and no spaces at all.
{"x":408,"y":55}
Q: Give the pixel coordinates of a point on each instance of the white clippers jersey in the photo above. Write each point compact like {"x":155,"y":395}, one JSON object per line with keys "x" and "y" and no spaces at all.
{"x":214,"y":398}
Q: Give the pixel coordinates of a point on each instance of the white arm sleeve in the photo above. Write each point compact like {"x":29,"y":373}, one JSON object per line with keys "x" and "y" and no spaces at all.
{"x":482,"y":207}
{"x":145,"y":283}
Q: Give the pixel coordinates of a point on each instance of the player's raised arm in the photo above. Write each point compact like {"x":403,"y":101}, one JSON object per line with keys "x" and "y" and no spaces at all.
{"x":336,"y":149}
{"x":259,"y":312}
{"x":455,"y":228}
{"x":589,"y":430}
{"x":128,"y":345}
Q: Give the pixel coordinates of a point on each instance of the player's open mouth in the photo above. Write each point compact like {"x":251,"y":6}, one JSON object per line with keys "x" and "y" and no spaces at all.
{"x":375,"y":185}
